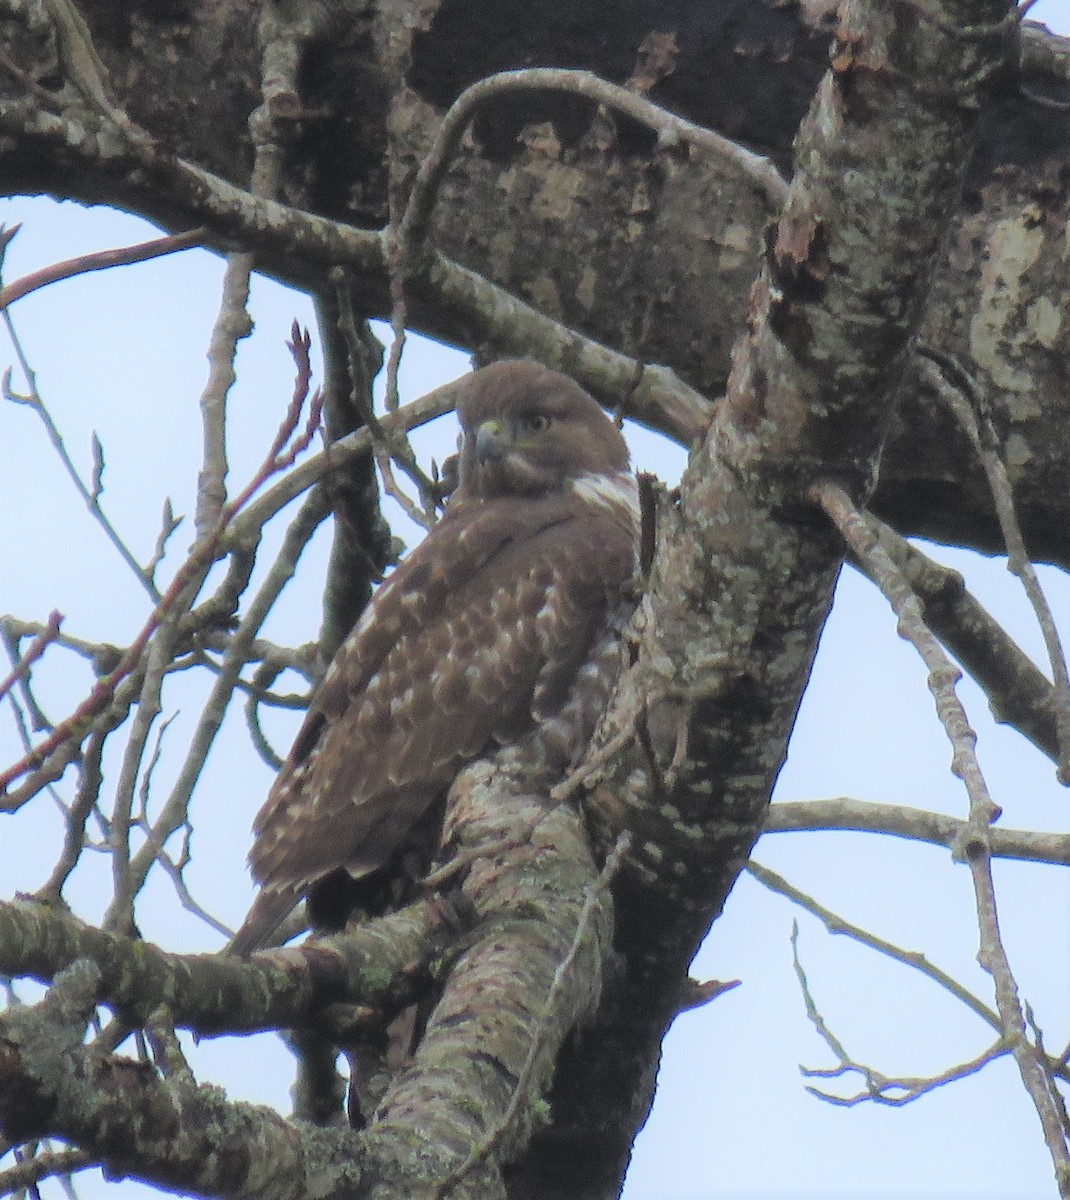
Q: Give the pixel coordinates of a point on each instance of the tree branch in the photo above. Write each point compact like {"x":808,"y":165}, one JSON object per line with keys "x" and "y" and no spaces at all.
{"x":169,"y":1132}
{"x":742,"y":578}
{"x":917,"y":824}
{"x":532,"y":969}
{"x":975,"y":846}
{"x":378,"y":966}
{"x":1017,"y":691}
{"x":670,"y":128}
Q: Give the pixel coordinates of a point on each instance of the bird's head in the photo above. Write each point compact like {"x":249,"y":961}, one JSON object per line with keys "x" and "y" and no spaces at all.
{"x":529,"y":431}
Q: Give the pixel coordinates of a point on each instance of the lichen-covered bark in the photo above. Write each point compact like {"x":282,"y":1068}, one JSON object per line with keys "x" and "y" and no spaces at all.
{"x":529,"y":970}
{"x":532,"y":972}
{"x":171,"y":1132}
{"x":644,"y":247}
{"x":380,"y":967}
{"x":743,"y":576}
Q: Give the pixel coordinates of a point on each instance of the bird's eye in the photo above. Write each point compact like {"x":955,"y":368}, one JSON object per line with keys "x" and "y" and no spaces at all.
{"x":536,"y":422}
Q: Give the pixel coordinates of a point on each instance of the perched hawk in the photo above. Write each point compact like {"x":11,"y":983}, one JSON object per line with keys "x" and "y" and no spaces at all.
{"x":478,"y":639}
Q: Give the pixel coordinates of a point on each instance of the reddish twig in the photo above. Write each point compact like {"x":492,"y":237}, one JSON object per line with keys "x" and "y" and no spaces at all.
{"x":202,"y":555}
{"x":37,"y":647}
{"x":100,"y":261}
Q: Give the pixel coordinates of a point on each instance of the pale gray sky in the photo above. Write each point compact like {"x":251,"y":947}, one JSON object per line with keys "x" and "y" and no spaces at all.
{"x":122,"y":353}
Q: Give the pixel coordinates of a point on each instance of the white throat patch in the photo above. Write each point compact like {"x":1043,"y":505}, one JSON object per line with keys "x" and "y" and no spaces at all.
{"x":618,"y":491}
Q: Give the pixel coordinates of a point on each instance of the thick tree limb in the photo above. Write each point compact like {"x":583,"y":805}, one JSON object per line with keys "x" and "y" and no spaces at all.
{"x":172,"y":1133}
{"x":379,"y":966}
{"x":742,"y":579}
{"x":533,"y":969}
{"x":650,"y":228}
{"x":652,"y":395}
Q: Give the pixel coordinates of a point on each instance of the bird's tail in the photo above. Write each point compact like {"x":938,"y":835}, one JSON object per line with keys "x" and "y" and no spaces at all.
{"x":268,"y":912}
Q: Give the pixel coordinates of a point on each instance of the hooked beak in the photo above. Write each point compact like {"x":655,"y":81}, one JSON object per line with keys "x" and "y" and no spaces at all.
{"x":492,"y":442}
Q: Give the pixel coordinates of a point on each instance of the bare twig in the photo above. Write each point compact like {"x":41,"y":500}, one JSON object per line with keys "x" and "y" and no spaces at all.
{"x":174,"y":872}
{"x":37,"y":647}
{"x":11,"y":634}
{"x":32,"y":1169}
{"x":388,"y":446}
{"x":669,"y":128}
{"x":74,"y":842}
{"x":175,"y":809}
{"x":975,"y":846}
{"x":1018,"y":693}
{"x":186,"y":582}
{"x":160,"y":652}
{"x":879,"y":1088}
{"x":232,"y":323}
{"x":395,"y":238}
{"x":836,"y":924}
{"x":32,"y":399}
{"x":168,"y":524}
{"x":102,"y":260}
{"x":959,"y":391}
{"x":917,"y":824}
{"x":98,"y":654}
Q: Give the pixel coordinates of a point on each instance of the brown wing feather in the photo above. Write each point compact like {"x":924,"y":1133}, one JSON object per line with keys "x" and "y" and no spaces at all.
{"x":475,"y":638}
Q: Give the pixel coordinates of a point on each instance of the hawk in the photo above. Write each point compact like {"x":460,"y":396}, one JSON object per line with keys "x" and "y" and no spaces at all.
{"x":486,"y":634}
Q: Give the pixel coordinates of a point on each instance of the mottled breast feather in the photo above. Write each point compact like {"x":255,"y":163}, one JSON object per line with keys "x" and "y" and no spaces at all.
{"x":472,"y":641}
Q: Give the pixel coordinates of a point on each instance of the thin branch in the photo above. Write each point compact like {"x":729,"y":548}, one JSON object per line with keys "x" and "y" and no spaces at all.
{"x":959,"y":391}
{"x":395,"y":237}
{"x":1018,"y":692}
{"x":669,"y":128}
{"x":21,"y":670}
{"x":100,"y":655}
{"x":879,"y":1088}
{"x":232,"y":323}
{"x":90,"y":779}
{"x":34,"y":717}
{"x":29,"y":1172}
{"x":32,"y":399}
{"x":65,"y":738}
{"x":836,"y":924}
{"x":337,"y":456}
{"x":168,"y":524}
{"x":102,"y":260}
{"x":175,"y":809}
{"x":388,"y":447}
{"x":917,"y":824}
{"x":160,"y":651}
{"x":185,"y":897}
{"x":975,"y":847}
